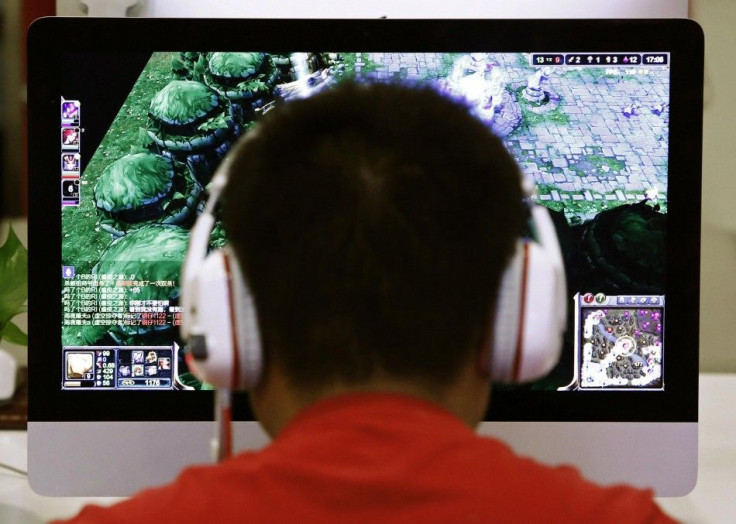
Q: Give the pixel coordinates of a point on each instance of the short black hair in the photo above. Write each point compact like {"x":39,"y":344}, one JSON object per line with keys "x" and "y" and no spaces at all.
{"x":373,"y":223}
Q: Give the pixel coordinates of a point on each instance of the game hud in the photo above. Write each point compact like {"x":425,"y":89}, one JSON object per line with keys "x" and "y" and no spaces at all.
{"x":590,"y":130}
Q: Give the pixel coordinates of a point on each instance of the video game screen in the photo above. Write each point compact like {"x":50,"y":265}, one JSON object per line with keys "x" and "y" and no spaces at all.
{"x":590,"y":129}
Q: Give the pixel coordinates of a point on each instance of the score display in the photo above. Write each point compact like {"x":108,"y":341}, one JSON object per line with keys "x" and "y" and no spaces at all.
{"x":551,"y":59}
{"x":599,"y":59}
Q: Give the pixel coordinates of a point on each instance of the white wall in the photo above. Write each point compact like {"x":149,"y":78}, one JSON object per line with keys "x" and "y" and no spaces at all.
{"x":718,"y":261}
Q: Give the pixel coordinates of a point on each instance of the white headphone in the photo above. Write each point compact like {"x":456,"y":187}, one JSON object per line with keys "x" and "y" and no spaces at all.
{"x":220,"y":324}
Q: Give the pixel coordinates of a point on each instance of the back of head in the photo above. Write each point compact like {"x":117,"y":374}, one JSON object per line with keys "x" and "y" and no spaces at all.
{"x":373,"y":223}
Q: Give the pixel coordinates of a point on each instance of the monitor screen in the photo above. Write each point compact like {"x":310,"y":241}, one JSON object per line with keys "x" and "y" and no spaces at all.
{"x":132,"y":134}
{"x":590,"y":129}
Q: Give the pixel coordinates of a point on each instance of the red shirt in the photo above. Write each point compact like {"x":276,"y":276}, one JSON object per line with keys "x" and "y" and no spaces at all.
{"x":381,"y":458}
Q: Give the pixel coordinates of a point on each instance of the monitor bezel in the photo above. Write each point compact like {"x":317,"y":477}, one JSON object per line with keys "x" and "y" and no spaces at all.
{"x":51,"y":37}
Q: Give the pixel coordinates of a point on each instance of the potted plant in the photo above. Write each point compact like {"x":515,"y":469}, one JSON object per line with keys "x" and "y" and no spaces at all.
{"x":13,"y":301}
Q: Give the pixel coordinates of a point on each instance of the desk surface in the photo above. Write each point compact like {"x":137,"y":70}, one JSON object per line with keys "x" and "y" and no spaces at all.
{"x":712,"y":501}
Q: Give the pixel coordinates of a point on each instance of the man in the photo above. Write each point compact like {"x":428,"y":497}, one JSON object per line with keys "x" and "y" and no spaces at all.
{"x":373,"y":224}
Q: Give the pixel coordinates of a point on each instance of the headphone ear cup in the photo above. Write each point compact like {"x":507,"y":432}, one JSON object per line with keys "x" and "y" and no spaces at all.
{"x":225,"y":326}
{"x":527,"y":335}
{"x":245,"y":326}
{"x":507,"y":317}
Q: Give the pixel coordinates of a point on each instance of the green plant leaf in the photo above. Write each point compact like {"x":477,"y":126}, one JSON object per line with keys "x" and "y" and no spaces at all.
{"x":144,"y":138}
{"x":13,"y":278}
{"x":177,"y":64}
{"x":216,"y":122}
{"x":13,"y":334}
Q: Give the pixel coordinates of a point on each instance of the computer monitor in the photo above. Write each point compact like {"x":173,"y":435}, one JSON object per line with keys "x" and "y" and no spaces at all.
{"x":128,"y":118}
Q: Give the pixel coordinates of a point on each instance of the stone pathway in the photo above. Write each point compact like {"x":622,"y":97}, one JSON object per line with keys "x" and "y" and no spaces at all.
{"x":589,"y":150}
